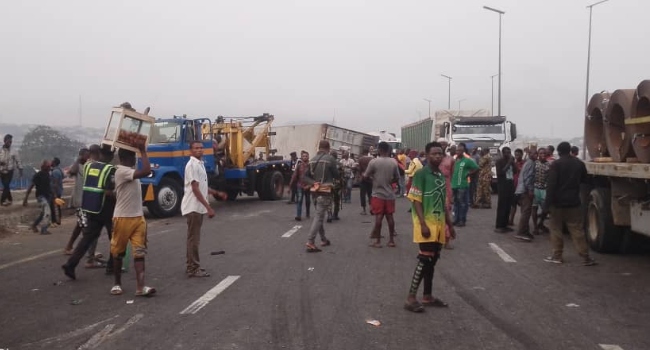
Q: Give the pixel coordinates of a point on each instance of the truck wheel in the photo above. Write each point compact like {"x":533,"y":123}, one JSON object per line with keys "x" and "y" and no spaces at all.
{"x":232,"y":194}
{"x":603,"y":236}
{"x":167,"y":201}
{"x":272,"y":186}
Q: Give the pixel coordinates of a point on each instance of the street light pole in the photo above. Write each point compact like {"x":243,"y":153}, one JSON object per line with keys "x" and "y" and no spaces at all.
{"x":501,"y":13}
{"x":584,"y":143}
{"x":492,"y":110}
{"x":449,"y":93}
{"x":459,"y":101}
{"x":426,"y":99}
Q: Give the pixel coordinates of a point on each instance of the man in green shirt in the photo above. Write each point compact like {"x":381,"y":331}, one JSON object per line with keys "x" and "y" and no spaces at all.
{"x":463,"y":167}
{"x":430,"y":216}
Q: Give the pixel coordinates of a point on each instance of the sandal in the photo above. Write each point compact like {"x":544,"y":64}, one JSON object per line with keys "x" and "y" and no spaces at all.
{"x":391,"y":244}
{"x":415,"y":306}
{"x":146,"y":292}
{"x":197,"y":273}
{"x":435,"y":303}
{"x":116,"y":290}
{"x":326,"y":243}
{"x":312,"y":248}
{"x":374,"y":245}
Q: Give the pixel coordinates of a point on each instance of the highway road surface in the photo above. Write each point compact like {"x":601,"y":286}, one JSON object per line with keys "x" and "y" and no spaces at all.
{"x":267,"y":292}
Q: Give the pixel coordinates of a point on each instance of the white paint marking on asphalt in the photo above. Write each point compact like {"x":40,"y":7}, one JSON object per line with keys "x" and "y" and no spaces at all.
{"x":98,"y":338}
{"x":610,"y":347}
{"x":30,"y":258}
{"x":211,"y":294}
{"x":70,"y":335}
{"x":249,"y":215}
{"x":133,"y":320}
{"x":291,"y":232}
{"x":503,"y":255}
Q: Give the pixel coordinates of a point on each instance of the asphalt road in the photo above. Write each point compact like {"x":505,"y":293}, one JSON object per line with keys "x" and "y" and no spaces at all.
{"x":266,"y":292}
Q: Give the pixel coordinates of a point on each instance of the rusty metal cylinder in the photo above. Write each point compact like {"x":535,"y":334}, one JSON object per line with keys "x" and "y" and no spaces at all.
{"x":594,"y":126}
{"x":619,"y":108}
{"x":637,"y":126}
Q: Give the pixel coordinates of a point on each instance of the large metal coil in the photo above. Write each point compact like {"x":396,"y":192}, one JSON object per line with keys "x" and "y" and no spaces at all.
{"x":637,"y":126}
{"x":619,"y":108}
{"x":594,"y":125}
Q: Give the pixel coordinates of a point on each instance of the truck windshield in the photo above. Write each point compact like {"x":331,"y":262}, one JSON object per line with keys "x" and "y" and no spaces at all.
{"x":165,"y":132}
{"x":486,"y":132}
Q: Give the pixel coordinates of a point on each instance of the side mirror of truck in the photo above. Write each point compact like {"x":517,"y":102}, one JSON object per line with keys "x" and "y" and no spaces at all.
{"x":513,"y":131}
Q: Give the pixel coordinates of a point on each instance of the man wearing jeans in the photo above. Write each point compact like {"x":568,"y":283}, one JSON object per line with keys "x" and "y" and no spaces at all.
{"x":302,"y":190}
{"x":463,"y":167}
{"x":195,"y":205}
{"x":526,"y":191}
{"x":365,"y":186}
{"x":41,"y":181}
{"x":563,"y":201}
{"x":320,"y":176}
{"x":9,"y":160}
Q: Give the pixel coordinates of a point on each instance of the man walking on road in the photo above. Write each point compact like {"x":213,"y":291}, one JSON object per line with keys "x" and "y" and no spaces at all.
{"x":195,"y":205}
{"x":128,"y":220}
{"x":348,"y":165}
{"x":42,"y":182}
{"x":525,"y":191}
{"x":430,"y":218}
{"x":365,"y":186}
{"x":383,"y":171}
{"x":505,"y":167}
{"x":320,"y":176}
{"x":56,"y":176}
{"x":565,"y":176}
{"x":302,"y":190}
{"x":98,"y":204}
{"x":9,"y":161}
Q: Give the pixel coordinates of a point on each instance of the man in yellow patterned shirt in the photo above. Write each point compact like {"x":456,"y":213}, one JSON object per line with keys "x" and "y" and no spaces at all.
{"x":430,"y":216}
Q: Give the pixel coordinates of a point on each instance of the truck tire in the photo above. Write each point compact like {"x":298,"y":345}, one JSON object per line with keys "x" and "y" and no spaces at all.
{"x":232,"y":194}
{"x":603,"y":236}
{"x":167,"y":199}
{"x":272,"y":186}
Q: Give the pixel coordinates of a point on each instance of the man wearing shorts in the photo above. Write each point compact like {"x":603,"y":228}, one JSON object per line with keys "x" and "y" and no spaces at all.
{"x":430,"y":218}
{"x":383,"y":172}
{"x":128,"y":220}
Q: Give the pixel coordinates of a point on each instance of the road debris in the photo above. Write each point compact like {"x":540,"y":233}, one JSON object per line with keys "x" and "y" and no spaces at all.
{"x":35,"y":290}
{"x":76,"y":302}
{"x":218,"y":252}
{"x":57,"y":283}
{"x":572,"y":305}
{"x":129,"y":301}
{"x":310,"y":269}
{"x":375,"y":323}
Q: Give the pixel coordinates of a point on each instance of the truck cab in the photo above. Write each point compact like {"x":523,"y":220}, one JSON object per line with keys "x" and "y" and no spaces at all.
{"x":169,"y":152}
{"x":492,"y":133}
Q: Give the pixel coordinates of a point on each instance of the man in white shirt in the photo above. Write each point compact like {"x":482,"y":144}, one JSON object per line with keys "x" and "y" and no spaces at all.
{"x":128,"y":220}
{"x":194,"y":205}
{"x":9,"y":160}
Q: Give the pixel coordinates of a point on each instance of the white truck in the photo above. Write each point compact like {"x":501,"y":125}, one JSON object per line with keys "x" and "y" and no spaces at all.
{"x":295,"y":138}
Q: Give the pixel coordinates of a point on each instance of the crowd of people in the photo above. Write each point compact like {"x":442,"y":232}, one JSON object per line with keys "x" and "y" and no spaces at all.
{"x":442,"y":183}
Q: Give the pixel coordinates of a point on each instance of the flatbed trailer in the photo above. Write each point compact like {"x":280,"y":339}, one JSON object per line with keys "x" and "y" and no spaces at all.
{"x":616,"y":204}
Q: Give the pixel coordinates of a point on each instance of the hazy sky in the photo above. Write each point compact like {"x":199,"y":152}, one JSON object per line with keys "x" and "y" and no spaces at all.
{"x":370,"y":63}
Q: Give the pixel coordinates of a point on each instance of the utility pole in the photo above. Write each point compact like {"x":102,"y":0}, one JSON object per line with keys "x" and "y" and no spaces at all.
{"x":449,"y":92}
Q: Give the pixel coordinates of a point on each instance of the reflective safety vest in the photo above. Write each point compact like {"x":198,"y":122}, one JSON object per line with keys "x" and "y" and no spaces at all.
{"x":96,"y":178}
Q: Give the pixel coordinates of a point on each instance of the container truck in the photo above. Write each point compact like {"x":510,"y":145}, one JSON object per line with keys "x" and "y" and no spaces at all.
{"x":296,"y":138}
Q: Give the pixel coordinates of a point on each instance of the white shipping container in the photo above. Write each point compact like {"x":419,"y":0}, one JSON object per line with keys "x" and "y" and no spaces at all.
{"x":296,"y":138}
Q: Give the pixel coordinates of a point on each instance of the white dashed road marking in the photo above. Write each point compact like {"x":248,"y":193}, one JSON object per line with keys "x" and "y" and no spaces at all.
{"x":211,"y":294}
{"x":503,"y":255}
{"x":610,"y":347}
{"x":291,"y":232}
{"x":34,"y":257}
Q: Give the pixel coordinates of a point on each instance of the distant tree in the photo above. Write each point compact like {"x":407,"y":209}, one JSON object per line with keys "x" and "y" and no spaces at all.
{"x":43,"y":142}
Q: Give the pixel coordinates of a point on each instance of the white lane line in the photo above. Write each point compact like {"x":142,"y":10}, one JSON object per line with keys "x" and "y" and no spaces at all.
{"x":211,"y":294}
{"x":291,"y":232}
{"x":249,"y":215}
{"x":70,"y":335}
{"x":30,"y":258}
{"x":98,"y":338}
{"x":501,"y":253}
{"x":610,"y":347}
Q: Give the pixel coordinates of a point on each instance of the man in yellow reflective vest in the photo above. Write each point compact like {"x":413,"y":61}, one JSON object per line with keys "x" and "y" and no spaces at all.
{"x":98,"y":204}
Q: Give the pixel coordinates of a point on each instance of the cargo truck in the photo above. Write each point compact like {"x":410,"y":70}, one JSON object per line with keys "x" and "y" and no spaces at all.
{"x":296,"y":138}
{"x":616,"y":200}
